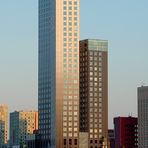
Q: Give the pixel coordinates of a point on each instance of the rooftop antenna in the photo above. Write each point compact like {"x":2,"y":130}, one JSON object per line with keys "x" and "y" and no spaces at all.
{"x":130,"y":114}
{"x":142,"y":84}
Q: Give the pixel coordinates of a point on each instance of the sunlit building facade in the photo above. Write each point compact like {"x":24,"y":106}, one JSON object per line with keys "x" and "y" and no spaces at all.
{"x":22,"y":123}
{"x":3,"y":124}
{"x":58,"y":89}
{"x":94,"y":91}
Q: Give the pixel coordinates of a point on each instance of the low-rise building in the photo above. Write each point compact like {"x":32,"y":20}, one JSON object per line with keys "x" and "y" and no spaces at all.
{"x":33,"y":140}
{"x":111,"y":138}
{"x":126,"y":132}
{"x":22,"y":123}
{"x":3,"y":125}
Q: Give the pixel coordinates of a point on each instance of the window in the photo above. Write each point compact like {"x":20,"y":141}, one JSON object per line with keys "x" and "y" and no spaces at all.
{"x":75,"y":34}
{"x":100,"y":120}
{"x":95,"y":104}
{"x":70,"y":123}
{"x":70,"y":2}
{"x":70,"y":29}
{"x":64,"y":113}
{"x":75,"y":8}
{"x":70,"y":113}
{"x":75,"y":118}
{"x":100,"y":110}
{"x":75,"y":24}
{"x":65,"y":123}
{"x":95,"y":68}
{"x":75,"y":18}
{"x":91,"y":53}
{"x":75,"y":45}
{"x":65,"y":107}
{"x":70,"y":141}
{"x":65,"y":118}
{"x":75,"y":13}
{"x":100,"y":58}
{"x":65,"y":39}
{"x":100,"y":53}
{"x":70,"y":118}
{"x":75,"y":39}
{"x":64,"y":23}
{"x":95,"y":53}
{"x":100,"y":130}
{"x":100,"y":64}
{"x":64,"y":141}
{"x":95,"y":79}
{"x":100,"y":74}
{"x":91,"y":130}
{"x":70,"y":134}
{"x":75,"y":134}
{"x":100,"y":89}
{"x":75,"y":141}
{"x":75,"y":3}
{"x":100,"y":69}
{"x":100,"y":104}
{"x":70,"y":107}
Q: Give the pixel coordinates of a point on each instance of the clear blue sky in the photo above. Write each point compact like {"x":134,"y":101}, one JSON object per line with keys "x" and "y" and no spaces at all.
{"x":123,"y":23}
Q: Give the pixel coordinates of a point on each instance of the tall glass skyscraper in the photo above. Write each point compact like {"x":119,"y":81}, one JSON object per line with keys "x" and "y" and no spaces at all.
{"x":58,"y":85}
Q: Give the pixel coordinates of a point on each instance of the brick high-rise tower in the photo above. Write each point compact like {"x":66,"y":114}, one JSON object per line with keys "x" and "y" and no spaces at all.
{"x":94,"y":91}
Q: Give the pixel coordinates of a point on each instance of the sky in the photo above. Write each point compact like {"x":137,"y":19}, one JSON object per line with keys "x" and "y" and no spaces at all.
{"x":123,"y":23}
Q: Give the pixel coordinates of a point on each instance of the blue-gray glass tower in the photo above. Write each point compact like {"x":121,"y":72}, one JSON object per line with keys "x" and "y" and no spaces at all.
{"x":58,"y":86}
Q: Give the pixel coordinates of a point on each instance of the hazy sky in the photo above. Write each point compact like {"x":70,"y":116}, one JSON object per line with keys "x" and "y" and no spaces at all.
{"x":124,"y":23}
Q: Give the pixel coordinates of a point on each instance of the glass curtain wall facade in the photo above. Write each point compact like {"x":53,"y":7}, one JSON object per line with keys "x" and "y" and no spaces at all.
{"x":58,"y":98}
{"x":94,"y":91}
{"x":142,"y":117}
